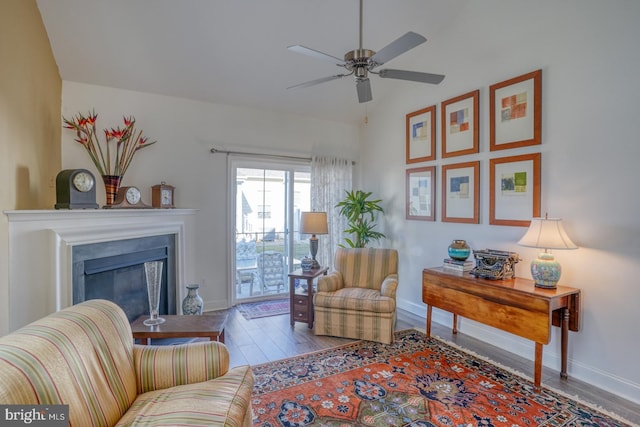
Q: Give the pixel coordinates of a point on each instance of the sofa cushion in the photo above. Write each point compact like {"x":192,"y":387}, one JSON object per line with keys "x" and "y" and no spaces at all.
{"x":356,"y":299}
{"x":221,"y":401}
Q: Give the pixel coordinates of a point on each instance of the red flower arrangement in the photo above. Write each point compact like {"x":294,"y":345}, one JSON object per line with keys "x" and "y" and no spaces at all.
{"x":127,"y":142}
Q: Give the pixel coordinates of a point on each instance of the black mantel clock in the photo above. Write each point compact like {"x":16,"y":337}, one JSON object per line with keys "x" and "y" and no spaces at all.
{"x":75,"y":189}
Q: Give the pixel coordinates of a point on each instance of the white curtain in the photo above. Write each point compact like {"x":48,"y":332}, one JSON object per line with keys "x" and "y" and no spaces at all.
{"x":330,"y":178}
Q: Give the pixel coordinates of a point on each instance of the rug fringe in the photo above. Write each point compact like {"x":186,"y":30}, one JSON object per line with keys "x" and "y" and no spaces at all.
{"x":529,"y":378}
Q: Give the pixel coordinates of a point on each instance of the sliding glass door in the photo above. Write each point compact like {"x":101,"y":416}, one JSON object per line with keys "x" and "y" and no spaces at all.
{"x":268,"y":200}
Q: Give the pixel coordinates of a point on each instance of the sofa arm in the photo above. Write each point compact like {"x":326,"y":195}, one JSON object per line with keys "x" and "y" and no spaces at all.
{"x":160,"y":367}
{"x":389,"y":286}
{"x":331,"y":282}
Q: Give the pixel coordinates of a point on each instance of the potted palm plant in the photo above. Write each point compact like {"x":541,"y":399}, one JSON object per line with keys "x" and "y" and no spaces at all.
{"x":360,"y":212}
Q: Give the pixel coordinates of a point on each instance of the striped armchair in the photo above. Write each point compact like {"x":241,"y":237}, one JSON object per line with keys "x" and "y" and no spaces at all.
{"x":84,"y":356}
{"x":358,"y":300}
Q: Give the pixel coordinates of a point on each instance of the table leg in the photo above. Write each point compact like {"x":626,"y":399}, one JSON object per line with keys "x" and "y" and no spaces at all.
{"x":310,"y":303}
{"x":292,"y":292}
{"x":564,"y":341}
{"x":455,"y":323}
{"x":428,"y":321}
{"x":537,"y":373}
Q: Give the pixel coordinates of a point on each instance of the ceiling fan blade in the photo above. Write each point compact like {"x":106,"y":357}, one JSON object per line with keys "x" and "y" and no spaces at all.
{"x":316,"y":54}
{"x":363,"y":86}
{"x":318,"y":81}
{"x":411,"y":75}
{"x":398,"y":47}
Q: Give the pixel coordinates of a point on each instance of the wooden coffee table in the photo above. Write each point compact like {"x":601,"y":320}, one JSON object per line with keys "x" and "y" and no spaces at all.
{"x":210,"y":325}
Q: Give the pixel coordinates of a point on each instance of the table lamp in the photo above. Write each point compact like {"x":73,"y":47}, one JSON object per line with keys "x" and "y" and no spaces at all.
{"x":313,"y":223}
{"x":546,"y":233}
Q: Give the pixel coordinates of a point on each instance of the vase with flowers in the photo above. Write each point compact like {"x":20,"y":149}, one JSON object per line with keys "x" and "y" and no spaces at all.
{"x":112,"y":159}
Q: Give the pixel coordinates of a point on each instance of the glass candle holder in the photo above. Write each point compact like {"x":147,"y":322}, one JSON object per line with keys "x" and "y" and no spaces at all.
{"x":153,"y":274}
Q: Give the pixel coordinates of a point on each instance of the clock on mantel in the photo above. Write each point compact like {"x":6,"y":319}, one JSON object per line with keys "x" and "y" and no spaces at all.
{"x":162,"y":196}
{"x":129,"y":198}
{"x":75,"y":189}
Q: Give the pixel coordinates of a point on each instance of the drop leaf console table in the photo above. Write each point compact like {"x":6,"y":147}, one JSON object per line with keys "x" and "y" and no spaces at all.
{"x":512,"y":305}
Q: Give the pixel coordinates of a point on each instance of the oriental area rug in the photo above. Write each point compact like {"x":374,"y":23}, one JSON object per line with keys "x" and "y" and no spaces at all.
{"x":416,"y":381}
{"x":254,"y":310}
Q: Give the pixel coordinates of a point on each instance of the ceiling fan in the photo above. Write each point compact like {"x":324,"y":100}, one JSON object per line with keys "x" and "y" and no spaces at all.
{"x":361,"y":62}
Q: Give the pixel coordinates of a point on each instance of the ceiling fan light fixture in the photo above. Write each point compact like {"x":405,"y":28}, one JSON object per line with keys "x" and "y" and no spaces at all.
{"x":361,"y":72}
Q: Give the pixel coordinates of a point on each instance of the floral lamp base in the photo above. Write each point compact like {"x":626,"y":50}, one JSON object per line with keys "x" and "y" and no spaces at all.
{"x":545,"y":271}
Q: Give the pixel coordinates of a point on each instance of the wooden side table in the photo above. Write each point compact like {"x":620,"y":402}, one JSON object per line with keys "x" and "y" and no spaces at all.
{"x":301,"y":304}
{"x":177,"y":326}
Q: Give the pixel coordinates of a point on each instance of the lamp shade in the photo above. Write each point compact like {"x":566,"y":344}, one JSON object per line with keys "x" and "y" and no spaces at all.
{"x":547,"y":233}
{"x":313,"y":223}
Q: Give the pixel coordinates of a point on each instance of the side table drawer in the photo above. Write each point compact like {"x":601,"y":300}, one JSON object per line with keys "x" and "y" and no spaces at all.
{"x":300,"y":309}
{"x":300,"y":314}
{"x":300,"y":300}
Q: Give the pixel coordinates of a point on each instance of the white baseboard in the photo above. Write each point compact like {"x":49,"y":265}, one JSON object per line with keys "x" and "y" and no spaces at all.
{"x":525,"y":348}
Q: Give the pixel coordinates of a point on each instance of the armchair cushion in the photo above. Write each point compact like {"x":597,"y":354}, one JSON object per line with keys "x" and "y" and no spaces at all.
{"x":222,"y":401}
{"x":357,"y":299}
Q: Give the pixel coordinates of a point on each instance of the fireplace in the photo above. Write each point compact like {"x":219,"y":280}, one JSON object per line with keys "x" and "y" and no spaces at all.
{"x":44,"y":248}
{"x":114,"y":270}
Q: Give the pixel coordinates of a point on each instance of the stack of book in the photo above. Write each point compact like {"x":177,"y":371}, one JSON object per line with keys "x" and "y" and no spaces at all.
{"x":458,"y":265}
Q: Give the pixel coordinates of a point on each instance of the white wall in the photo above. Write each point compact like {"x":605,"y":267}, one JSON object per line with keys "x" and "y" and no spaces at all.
{"x":590,"y":151}
{"x":185,"y":131}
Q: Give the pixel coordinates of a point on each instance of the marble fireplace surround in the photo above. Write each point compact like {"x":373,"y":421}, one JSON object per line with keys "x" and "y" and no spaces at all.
{"x":41,"y":251}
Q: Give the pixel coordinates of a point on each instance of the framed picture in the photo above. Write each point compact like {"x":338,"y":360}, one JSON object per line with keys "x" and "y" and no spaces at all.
{"x":460,"y":192}
{"x":460,"y":131}
{"x":421,"y":196}
{"x":514,"y":192}
{"x":515,"y":112}
{"x":421,"y":135}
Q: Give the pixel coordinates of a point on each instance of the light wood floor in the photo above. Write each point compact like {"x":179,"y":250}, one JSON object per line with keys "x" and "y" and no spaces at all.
{"x":262,"y":340}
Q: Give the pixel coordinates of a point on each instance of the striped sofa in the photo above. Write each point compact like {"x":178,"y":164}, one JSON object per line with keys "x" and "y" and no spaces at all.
{"x":84,"y":356}
{"x":358,"y":299}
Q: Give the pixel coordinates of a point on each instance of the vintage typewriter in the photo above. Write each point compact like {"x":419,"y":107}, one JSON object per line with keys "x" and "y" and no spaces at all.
{"x":494,"y":264}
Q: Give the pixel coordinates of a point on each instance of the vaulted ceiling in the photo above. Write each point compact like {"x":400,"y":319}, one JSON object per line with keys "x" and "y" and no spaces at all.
{"x":235,"y":51}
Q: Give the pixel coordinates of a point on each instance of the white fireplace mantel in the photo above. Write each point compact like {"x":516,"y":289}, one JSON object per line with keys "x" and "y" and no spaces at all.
{"x":41,"y":244}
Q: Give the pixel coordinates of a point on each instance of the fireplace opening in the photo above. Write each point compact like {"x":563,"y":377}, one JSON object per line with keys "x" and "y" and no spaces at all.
{"x":114,"y":271}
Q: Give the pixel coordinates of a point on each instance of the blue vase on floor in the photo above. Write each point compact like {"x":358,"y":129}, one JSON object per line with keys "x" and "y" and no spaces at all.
{"x":192,"y":303}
